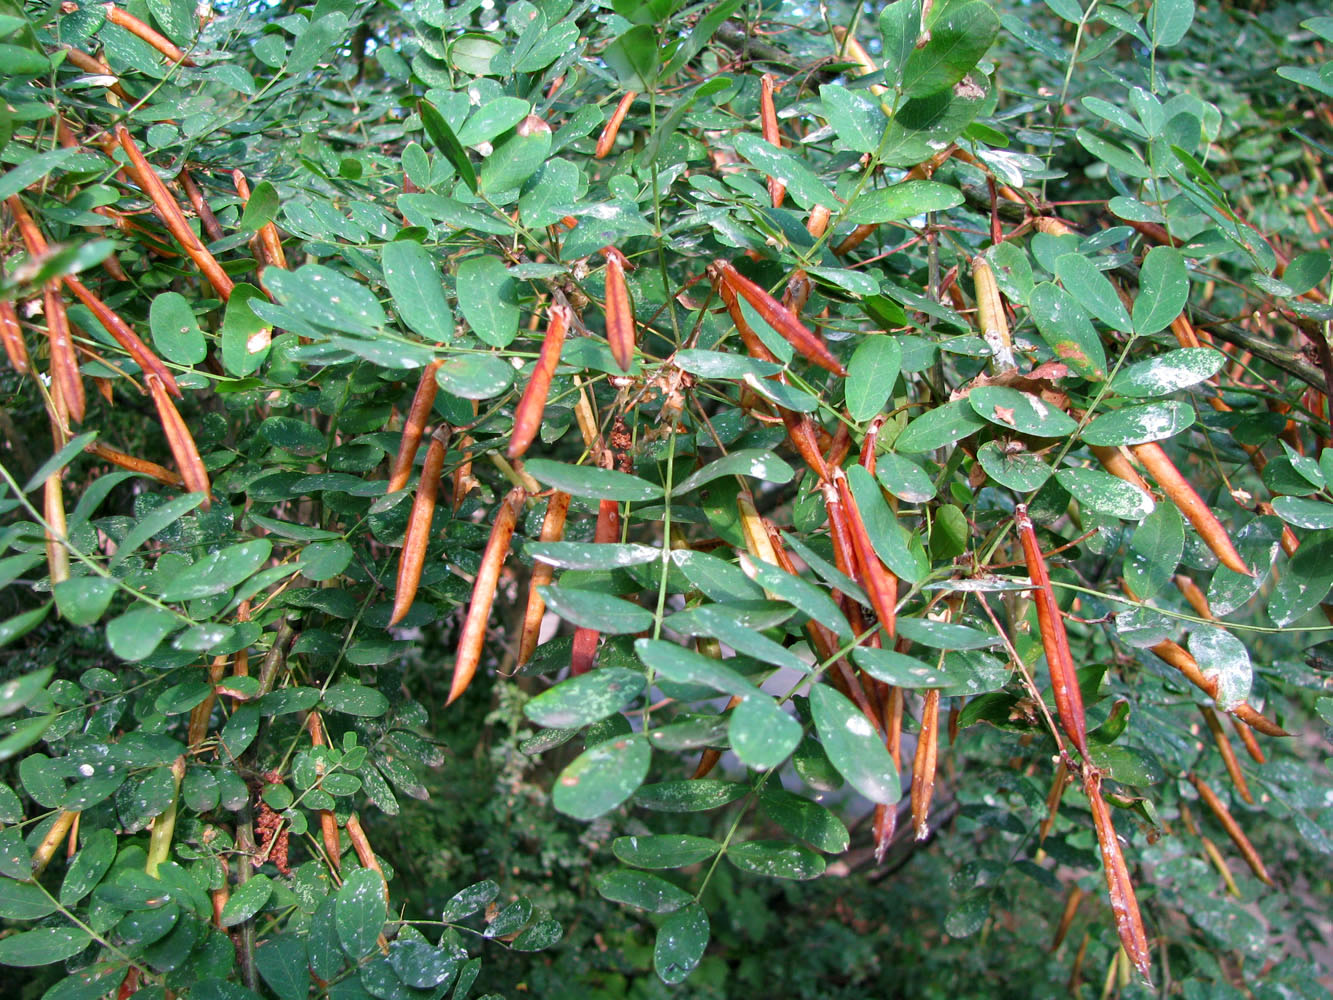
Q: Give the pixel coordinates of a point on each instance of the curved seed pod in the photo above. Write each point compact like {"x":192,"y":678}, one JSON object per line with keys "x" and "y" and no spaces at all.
{"x":584,"y":652}
{"x":483,"y":595}
{"x":881,"y":586}
{"x":869,"y":444}
{"x":1178,"y":657}
{"x":804,"y":438}
{"x":97,"y":67}
{"x":990,"y":310}
{"x":753,"y":345}
{"x":768,"y":120}
{"x":1181,"y":493}
{"x":125,"y":336}
{"x":64,"y":366}
{"x":923,"y":764}
{"x":134,"y":26}
{"x":1114,"y":461}
{"x":817,"y":223}
{"x":45,"y":851}
{"x":855,"y":238}
{"x":1246,"y":735}
{"x":1054,"y":639}
{"x":140,"y":465}
{"x":207,"y":219}
{"x":757,"y":541}
{"x":619,"y":313}
{"x":53,"y":509}
{"x":1197,"y":599}
{"x":417,"y":537}
{"x":553,"y":529}
{"x":839,"y":447}
{"x":328,"y":820}
{"x":528,"y":413}
{"x":414,"y":426}
{"x":12,"y":336}
{"x":172,"y":216}
{"x":180,"y":441}
{"x":1072,"y":902}
{"x":1220,"y":863}
{"x":607,"y":140}
{"x":1228,"y":754}
{"x":364,"y":853}
{"x":781,"y":319}
{"x":1124,"y":904}
{"x":1237,"y":835}
{"x":1053,"y":798}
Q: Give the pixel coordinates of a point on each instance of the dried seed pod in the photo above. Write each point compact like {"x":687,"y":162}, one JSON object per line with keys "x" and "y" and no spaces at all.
{"x":855,"y":238}
{"x":45,"y":851}
{"x":126,"y":20}
{"x":126,"y":337}
{"x":1072,"y":901}
{"x":757,"y":541}
{"x":607,"y":140}
{"x":1237,"y":835}
{"x":12,"y":335}
{"x":781,"y":319}
{"x":584,"y":651}
{"x":64,"y":366}
{"x":96,"y":67}
{"x":528,"y":413}
{"x":140,"y":465}
{"x":1182,"y":494}
{"x":1246,"y":735}
{"x":483,"y":594}
{"x":553,"y":529}
{"x":817,"y":222}
{"x":1113,"y":460}
{"x":417,"y":537}
{"x":798,"y":291}
{"x":1054,"y":639}
{"x":53,"y":509}
{"x":1178,"y":657}
{"x":414,"y":426}
{"x":923,"y":764}
{"x":172,"y":216}
{"x":768,"y":118}
{"x":180,"y":441}
{"x":880,"y":584}
{"x":1220,"y":863}
{"x":1053,"y":798}
{"x":212,"y":228}
{"x":1052,"y":226}
{"x":620,"y":333}
{"x":1228,"y":754}
{"x":364,"y":853}
{"x":857,"y":53}
{"x":1124,"y":904}
{"x":870,"y":443}
{"x":270,"y":242}
{"x":990,"y":311}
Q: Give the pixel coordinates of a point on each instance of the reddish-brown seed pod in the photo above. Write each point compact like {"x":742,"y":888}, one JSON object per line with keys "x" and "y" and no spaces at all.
{"x":417,"y":537}
{"x":801,"y":432}
{"x":870,"y":443}
{"x":528,"y":413}
{"x":839,"y":447}
{"x":483,"y":594}
{"x":1114,"y":462}
{"x":53,"y":509}
{"x":881,"y":586}
{"x":140,"y":465}
{"x":1054,"y":639}
{"x":270,"y":242}
{"x":180,"y":441}
{"x":126,"y":337}
{"x":414,"y":426}
{"x":1228,"y":754}
{"x":1237,"y":835}
{"x":607,"y":140}
{"x":781,"y":319}
{"x":1178,"y":657}
{"x":619,"y":312}
{"x":817,"y":222}
{"x":64,"y":366}
{"x":1182,"y":494}
{"x":553,"y":529}
{"x":753,"y":345}
{"x":854,"y":239}
{"x":1246,"y":735}
{"x":172,"y":216}
{"x":768,"y":119}
{"x":126,"y":20}
{"x":1053,"y":798}
{"x":212,"y":228}
{"x":12,"y":336}
{"x":1124,"y":904}
{"x":584,"y":651}
{"x":798,"y":291}
{"x":356,"y":835}
{"x":96,"y":67}
{"x":924,"y":762}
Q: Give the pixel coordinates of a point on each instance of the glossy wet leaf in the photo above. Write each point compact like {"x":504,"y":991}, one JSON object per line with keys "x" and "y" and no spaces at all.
{"x":776,"y":859}
{"x":853,"y":745}
{"x":487,"y":299}
{"x":752,"y":462}
{"x":589,"y":481}
{"x":720,"y":622}
{"x":871,"y":374}
{"x":941,"y":427}
{"x":176,"y":333}
{"x":689,"y":795}
{"x":581,"y":701}
{"x":858,"y":121}
{"x":42,"y":946}
{"x":664,"y":850}
{"x":1105,"y":494}
{"x":681,"y":941}
{"x":218,"y":571}
{"x":899,"y":669}
{"x":801,"y":182}
{"x":1155,"y":549}
{"x":281,"y":960}
{"x":903,"y":201}
{"x":1093,"y":290}
{"x":417,"y":289}
{"x":247,"y":899}
{"x":468,"y":901}
{"x":1015,"y":469}
{"x":642,"y":891}
{"x":595,"y":610}
{"x":1164,"y":288}
{"x":1139,"y":424}
{"x":762,"y":734}
{"x":805,"y":820}
{"x":602,"y":777}
{"x":800,"y":593}
{"x":1223,"y":657}
{"x":1065,"y":327}
{"x":474,"y":376}
{"x":360,"y":912}
{"x":676,"y":663}
{"x":589,"y":555}
{"x":957,"y":43}
{"x":1020,"y":411}
{"x":945,"y":635}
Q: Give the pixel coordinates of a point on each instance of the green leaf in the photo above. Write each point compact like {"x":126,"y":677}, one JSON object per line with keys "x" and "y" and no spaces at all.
{"x":958,"y":40}
{"x":800,"y":593}
{"x":761,"y":733}
{"x":689,"y":795}
{"x":447,"y":143}
{"x":59,"y":460}
{"x":176,"y":333}
{"x":542,"y":934}
{"x":801,"y":182}
{"x":1021,"y":471}
{"x":1139,"y":424}
{"x":650,"y":893}
{"x":945,"y":635}
{"x":1165,"y":373}
{"x":664,"y":850}
{"x":468,"y":901}
{"x":24,"y":900}
{"x":720,"y":622}
{"x":135,"y":634}
{"x":42,"y":946}
{"x":1304,"y":512}
{"x":218,"y":571}
{"x":602,"y":777}
{"x":351,"y":698}
{"x":417,"y":290}
{"x":514,"y":161}
{"x":246,"y":337}
{"x":89,"y":866}
{"x":34,"y":168}
{"x":1224,"y":658}
{"x":1092,"y":290}
{"x":281,"y":960}
{"x":681,"y":942}
{"x":474,"y":376}
{"x":261,"y":209}
{"x":776,"y":859}
{"x":155,"y":521}
{"x":941,"y":427}
{"x":716,"y":364}
{"x":899,"y":26}
{"x":1020,"y":411}
{"x":18,"y":691}
{"x":590,"y":481}
{"x":685,"y":666}
{"x":871,"y":374}
{"x":1155,"y":549}
{"x":1104,"y":493}
{"x":595,"y":610}
{"x":360,"y":912}
{"x":247,"y":899}
{"x":805,"y":820}
{"x":486,"y":295}
{"x":887,"y":536}
{"x":852,"y":744}
{"x":591,"y":697}
{"x":904,"y":200}
{"x":858,"y":121}
{"x":633,"y":57}
{"x":1164,"y":288}
{"x":716,"y":578}
{"x":1306,"y":582}
{"x":592,"y":555}
{"x":904,"y":478}
{"x":1169,"y":21}
{"x":1067,"y":331}
{"x":899,"y":669}
{"x":311,"y":45}
{"x":756,"y":463}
